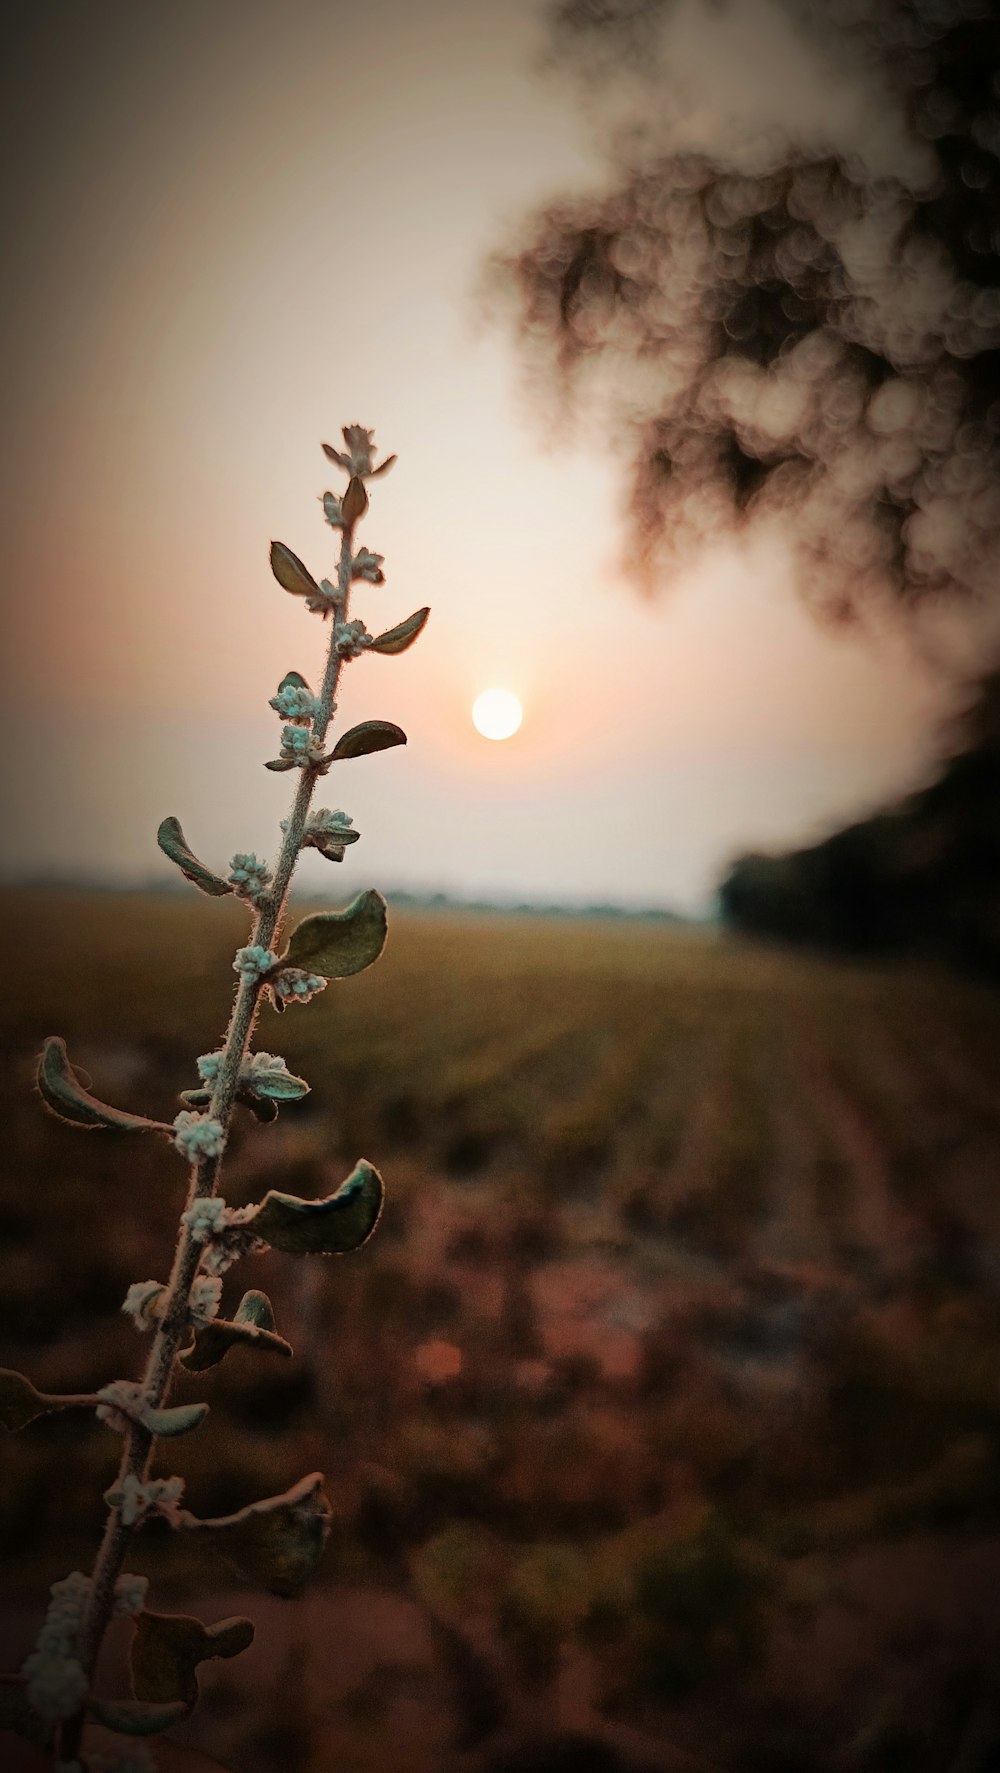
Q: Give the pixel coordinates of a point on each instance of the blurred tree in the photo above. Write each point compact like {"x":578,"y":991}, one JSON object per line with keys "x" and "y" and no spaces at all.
{"x":921,"y":878}
{"x":786,"y":328}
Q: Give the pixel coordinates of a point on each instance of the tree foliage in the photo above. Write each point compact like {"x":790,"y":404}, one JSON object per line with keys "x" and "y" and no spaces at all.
{"x":790,"y":331}
{"x":920,"y":878}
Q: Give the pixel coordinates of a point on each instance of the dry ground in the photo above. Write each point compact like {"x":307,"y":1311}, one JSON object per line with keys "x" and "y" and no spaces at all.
{"x":663,"y":1406}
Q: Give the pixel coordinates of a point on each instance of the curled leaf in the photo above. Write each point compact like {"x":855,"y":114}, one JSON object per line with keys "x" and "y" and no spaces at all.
{"x":396,"y":640}
{"x":133,"y":1717}
{"x":62,"y":1091}
{"x":178,"y":1419}
{"x":277,"y":1086}
{"x":255,"y":1312}
{"x":371,"y":735}
{"x":278,"y":1542}
{"x":383,"y":468}
{"x":253,"y":1326}
{"x":281,"y":763}
{"x":342,"y":1222}
{"x":330,"y":833}
{"x":340,"y":943}
{"x":333,"y":848}
{"x":21,"y":1402}
{"x":166,"y":1651}
{"x":174,"y":844}
{"x":290,"y":572}
{"x":144,"y":1303}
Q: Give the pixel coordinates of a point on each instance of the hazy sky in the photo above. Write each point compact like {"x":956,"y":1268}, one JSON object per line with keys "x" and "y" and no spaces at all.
{"x":233,"y":226}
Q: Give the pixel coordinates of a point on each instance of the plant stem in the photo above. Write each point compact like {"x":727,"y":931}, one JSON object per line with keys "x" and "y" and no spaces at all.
{"x":174,"y":1321}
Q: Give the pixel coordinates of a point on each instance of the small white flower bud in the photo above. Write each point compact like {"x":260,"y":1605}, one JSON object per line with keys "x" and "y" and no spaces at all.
{"x":56,"y":1686}
{"x":350,"y":639}
{"x":139,"y":1302}
{"x":294,"y":985}
{"x":204,"y":1217}
{"x":121,"y":1403}
{"x":261,"y":1062}
{"x":135,"y":1500}
{"x":203,"y":1302}
{"x":250,"y":877}
{"x":329,"y":832}
{"x":327,"y":599}
{"x":366,"y":565}
{"x":197,"y":1135}
{"x":295,"y":702}
{"x":298,"y":746}
{"x":254,"y":962}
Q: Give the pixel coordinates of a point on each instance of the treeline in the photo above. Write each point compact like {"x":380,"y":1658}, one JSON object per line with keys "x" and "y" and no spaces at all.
{"x":919,"y":878}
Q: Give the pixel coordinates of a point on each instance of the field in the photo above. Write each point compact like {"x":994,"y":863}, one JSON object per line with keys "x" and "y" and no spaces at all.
{"x":661,"y":1415}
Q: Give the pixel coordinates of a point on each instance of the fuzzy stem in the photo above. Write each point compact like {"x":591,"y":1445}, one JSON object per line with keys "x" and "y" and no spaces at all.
{"x":66,"y":1400}
{"x":140,"y":1445}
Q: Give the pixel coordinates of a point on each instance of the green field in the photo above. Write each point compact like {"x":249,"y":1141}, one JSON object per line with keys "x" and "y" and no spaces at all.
{"x":663,"y":1407}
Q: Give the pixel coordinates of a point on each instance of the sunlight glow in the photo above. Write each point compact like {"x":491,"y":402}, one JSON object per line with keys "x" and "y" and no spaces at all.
{"x":496,"y":714}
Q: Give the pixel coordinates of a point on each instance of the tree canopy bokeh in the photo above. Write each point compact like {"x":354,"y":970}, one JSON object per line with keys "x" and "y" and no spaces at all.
{"x":786,"y":325}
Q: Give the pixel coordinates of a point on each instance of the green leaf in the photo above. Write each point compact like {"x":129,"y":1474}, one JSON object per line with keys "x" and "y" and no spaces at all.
{"x":167,"y":1648}
{"x":292,"y":680}
{"x":281,"y":763}
{"x":396,"y":640}
{"x":253,"y":1327}
{"x":255,"y":1311}
{"x":62,"y":1091}
{"x":179,"y":1419}
{"x":277,"y":1086}
{"x":277,"y":1542}
{"x":133,"y":1717}
{"x":342,"y":1222}
{"x":371,"y":735}
{"x":355,"y":501}
{"x":17,"y":1715}
{"x":339,"y":943}
{"x":260,"y":1107}
{"x":290,"y":572}
{"x":174,"y":844}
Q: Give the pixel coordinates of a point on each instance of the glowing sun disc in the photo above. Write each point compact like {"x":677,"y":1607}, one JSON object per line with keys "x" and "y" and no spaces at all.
{"x":496,"y":714}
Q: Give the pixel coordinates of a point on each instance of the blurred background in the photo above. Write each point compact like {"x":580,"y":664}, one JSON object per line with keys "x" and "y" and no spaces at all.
{"x":661,"y":1415}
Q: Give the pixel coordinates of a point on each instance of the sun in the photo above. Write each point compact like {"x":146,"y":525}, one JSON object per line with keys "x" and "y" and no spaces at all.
{"x":496,"y":714}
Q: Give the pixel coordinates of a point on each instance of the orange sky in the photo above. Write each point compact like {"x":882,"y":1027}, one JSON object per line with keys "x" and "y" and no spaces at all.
{"x":238,"y":227}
